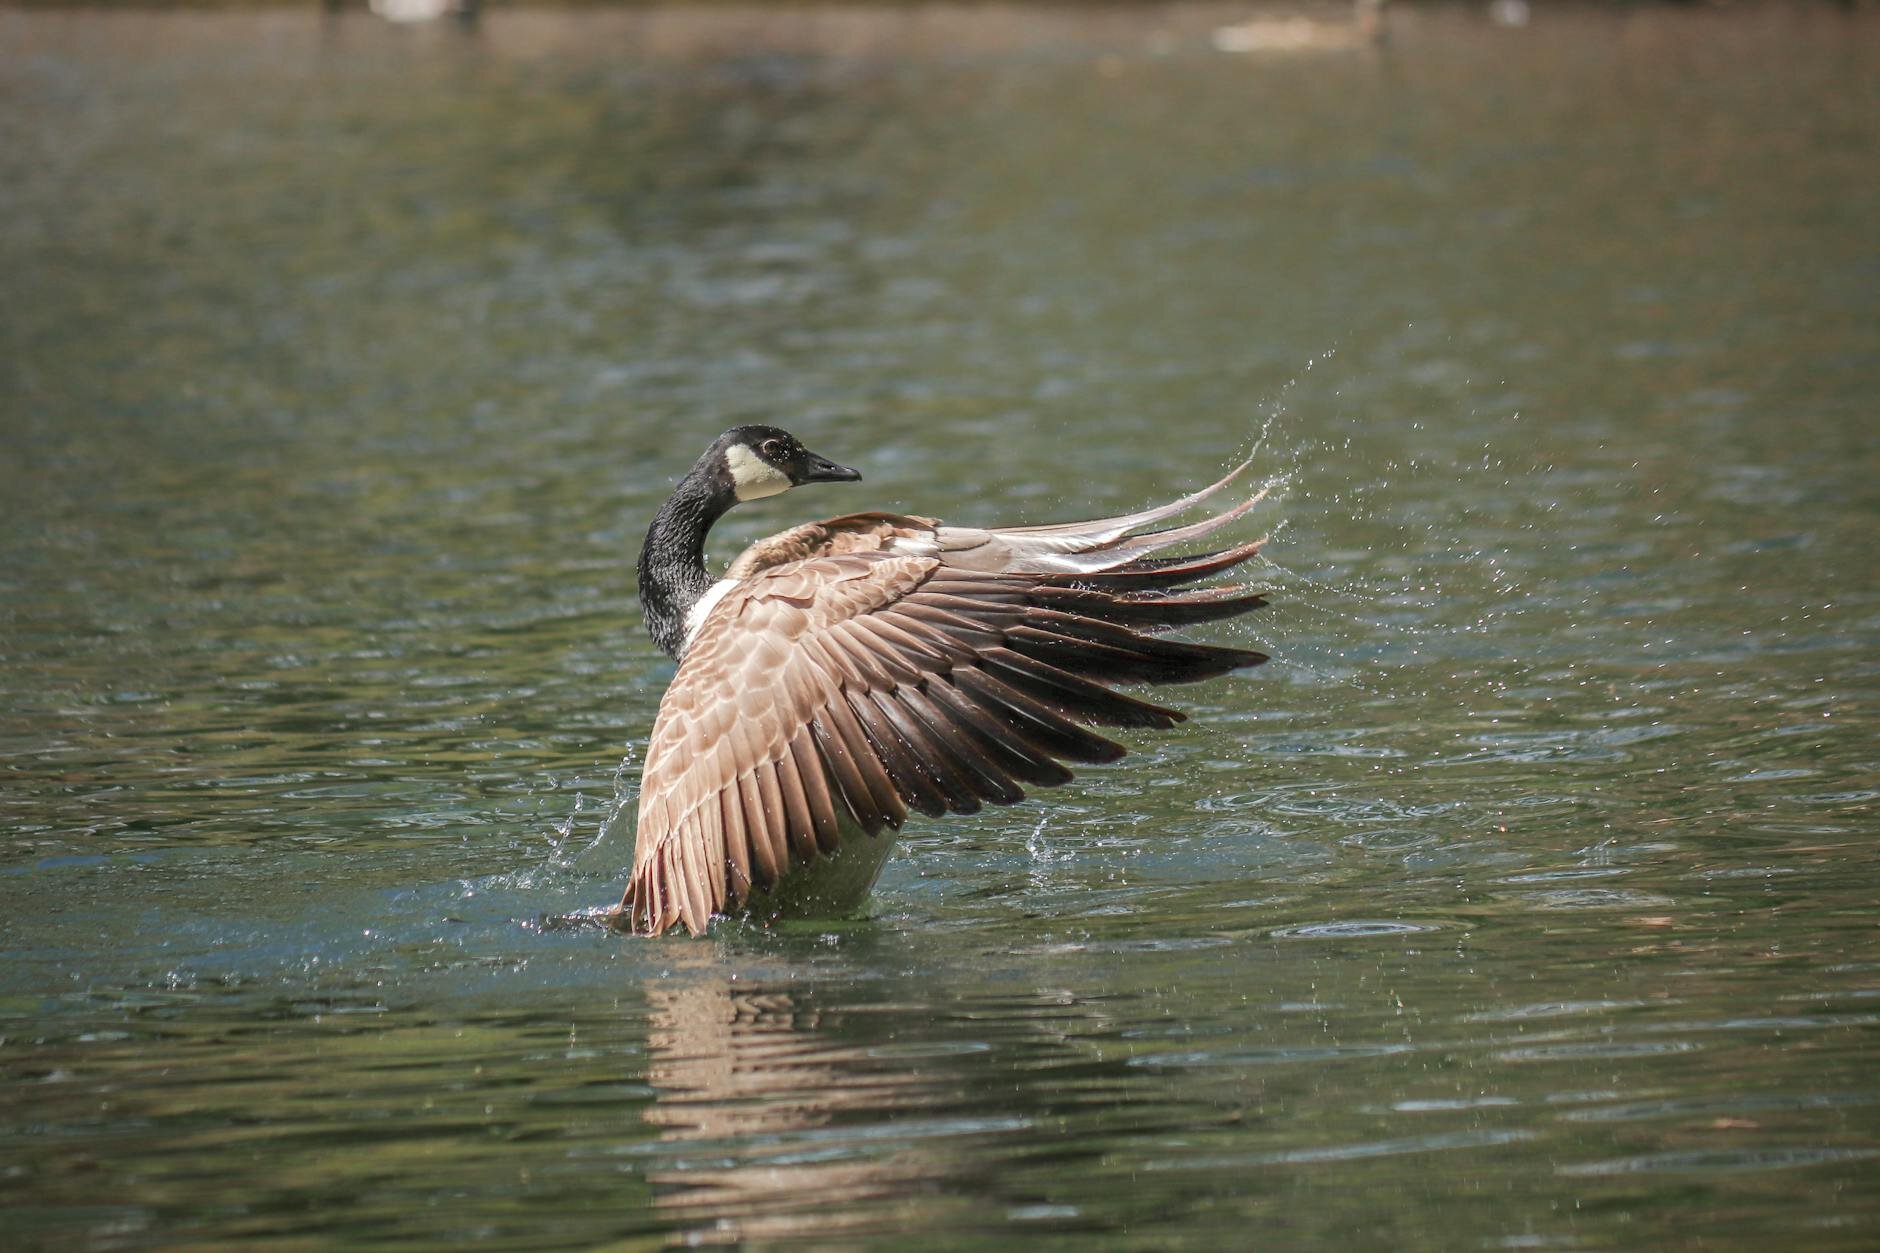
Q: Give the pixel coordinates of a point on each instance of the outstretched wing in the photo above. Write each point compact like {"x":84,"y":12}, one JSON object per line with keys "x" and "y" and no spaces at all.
{"x":1055,"y":548}
{"x":841,"y":692}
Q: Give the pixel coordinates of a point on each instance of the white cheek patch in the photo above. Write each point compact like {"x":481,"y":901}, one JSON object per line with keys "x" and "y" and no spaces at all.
{"x":753,"y":478}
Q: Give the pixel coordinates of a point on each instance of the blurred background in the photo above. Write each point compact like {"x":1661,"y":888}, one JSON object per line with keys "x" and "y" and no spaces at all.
{"x":1527,"y":899}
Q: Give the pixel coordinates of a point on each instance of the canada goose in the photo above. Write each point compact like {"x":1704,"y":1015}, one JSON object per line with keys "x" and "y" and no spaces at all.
{"x":844,"y":672}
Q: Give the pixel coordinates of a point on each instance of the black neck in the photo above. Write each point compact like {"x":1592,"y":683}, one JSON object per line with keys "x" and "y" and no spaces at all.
{"x":672,"y":561}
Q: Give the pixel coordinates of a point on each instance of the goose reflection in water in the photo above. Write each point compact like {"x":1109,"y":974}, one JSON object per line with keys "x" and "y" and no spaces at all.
{"x":770,"y":1127}
{"x":793,"y":1110}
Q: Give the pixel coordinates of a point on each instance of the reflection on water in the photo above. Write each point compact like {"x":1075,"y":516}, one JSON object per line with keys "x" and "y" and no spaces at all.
{"x":751,"y":1100}
{"x":1525,"y":900}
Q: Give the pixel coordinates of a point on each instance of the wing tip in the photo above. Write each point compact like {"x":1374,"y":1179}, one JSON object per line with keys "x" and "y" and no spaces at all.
{"x":651,"y":906}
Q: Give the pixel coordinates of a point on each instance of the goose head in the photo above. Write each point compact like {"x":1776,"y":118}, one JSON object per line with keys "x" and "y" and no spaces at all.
{"x":752,"y":462}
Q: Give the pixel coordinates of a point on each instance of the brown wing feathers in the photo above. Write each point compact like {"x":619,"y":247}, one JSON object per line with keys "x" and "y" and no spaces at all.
{"x":959,"y":691}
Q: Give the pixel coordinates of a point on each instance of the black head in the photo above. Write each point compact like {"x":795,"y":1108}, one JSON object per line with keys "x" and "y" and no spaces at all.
{"x":760,"y":461}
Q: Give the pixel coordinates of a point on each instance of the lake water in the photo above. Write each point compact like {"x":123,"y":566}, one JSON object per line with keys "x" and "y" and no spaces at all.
{"x":1526,"y":900}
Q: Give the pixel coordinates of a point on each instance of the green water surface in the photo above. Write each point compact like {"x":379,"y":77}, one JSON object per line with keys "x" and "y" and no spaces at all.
{"x":1526,"y":900}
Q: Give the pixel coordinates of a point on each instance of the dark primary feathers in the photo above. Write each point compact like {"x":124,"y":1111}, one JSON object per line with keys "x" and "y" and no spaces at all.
{"x":856,"y":670}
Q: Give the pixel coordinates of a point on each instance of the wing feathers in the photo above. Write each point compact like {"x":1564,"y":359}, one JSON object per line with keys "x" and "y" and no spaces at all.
{"x":846,"y":775}
{"x":924,"y":646}
{"x":770,"y":800}
{"x":737,"y":845}
{"x":904,"y":657}
{"x":830,"y":694}
{"x":911,"y":781}
{"x":1090,"y":551}
{"x":974,"y":608}
{"x":987,"y":777}
{"x":1036,"y":721}
{"x":766,"y":856}
{"x":1067,"y":691}
{"x":1113,"y":650}
{"x":964,"y":631}
{"x":1154,"y":541}
{"x":1124,"y":523}
{"x":847,"y":667}
{"x":882,"y":793}
{"x":693,"y":906}
{"x":953,"y":783}
{"x":798,"y":826}
{"x":1153,"y":611}
{"x":1004,"y":740}
{"x":817,"y":795}
{"x":1161,"y":572}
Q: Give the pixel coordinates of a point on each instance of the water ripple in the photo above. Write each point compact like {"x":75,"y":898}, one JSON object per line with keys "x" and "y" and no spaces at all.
{"x":1355,"y":929}
{"x":1268,"y":1057}
{"x":1349,"y":1152}
{"x":1708,"y":1160}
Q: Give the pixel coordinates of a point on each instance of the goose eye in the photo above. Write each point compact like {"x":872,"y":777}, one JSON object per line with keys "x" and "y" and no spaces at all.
{"x":773,"y":448}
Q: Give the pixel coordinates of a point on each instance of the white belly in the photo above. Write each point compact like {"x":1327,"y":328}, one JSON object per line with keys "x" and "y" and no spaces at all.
{"x":833,"y":886}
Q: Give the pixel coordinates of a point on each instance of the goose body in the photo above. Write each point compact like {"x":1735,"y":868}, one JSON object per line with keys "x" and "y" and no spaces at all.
{"x":847,"y":672}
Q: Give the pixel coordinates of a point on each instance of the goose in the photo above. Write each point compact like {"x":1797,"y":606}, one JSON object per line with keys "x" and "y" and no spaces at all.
{"x":843,"y":674}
